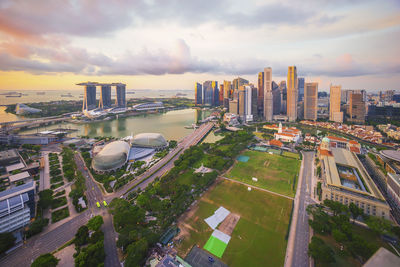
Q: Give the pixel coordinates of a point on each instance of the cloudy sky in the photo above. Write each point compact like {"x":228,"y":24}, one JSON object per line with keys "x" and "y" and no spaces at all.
{"x":170,"y":44}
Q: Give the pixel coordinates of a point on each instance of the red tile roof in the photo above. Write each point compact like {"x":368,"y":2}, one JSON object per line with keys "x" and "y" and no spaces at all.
{"x":274,"y":142}
{"x":335,"y":138}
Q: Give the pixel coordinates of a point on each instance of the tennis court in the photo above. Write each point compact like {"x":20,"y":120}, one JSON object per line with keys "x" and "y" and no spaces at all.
{"x":275,"y":151}
{"x":260,"y":148}
{"x":242,"y":158}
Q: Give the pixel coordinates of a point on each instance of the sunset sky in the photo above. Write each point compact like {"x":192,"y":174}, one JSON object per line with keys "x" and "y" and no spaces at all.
{"x":170,"y":44}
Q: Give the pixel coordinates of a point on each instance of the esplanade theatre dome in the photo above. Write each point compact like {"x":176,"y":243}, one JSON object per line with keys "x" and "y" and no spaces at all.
{"x":153,"y":140}
{"x":111,"y":157}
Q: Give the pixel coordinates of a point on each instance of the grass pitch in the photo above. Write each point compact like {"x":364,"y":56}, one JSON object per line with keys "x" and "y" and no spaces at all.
{"x":259,"y":236}
{"x":274,"y":172}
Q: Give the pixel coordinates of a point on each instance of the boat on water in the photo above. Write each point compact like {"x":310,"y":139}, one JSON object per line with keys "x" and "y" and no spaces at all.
{"x":181,"y":94}
{"x":66,"y":95}
{"x":40,"y":93}
{"x":14,"y":95}
{"x":130,"y":93}
{"x":193,"y":126}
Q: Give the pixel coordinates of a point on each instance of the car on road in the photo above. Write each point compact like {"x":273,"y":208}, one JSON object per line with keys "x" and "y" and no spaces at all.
{"x":98,"y":204}
{"x":105,"y":203}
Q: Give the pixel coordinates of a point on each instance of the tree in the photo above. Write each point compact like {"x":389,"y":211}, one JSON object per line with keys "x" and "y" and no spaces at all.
{"x":335,"y":206}
{"x":339,"y":236}
{"x":359,"y":247}
{"x":136,"y":253}
{"x":45,"y":260}
{"x":82,"y":236}
{"x":45,"y":198}
{"x":320,"y":251}
{"x":37,"y":226}
{"x":6,"y":241}
{"x":355,"y":211}
{"x":379,"y":225}
{"x":95,"y":223}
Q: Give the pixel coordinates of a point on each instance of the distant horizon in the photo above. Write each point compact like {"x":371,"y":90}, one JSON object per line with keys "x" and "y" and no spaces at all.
{"x":349,"y":43}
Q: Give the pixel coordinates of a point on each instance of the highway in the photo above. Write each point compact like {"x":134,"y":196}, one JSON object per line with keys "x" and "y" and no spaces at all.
{"x":50,"y":241}
{"x":300,"y":234}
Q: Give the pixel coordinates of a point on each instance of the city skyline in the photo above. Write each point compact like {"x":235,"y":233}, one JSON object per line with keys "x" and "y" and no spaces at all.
{"x":323,"y":39}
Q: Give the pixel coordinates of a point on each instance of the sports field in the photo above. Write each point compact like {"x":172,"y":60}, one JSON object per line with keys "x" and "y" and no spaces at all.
{"x":258,"y":238}
{"x":274,"y":172}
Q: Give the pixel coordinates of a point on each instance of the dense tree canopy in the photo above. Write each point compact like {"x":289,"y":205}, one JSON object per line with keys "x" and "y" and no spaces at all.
{"x":45,"y":260}
{"x":6,"y":241}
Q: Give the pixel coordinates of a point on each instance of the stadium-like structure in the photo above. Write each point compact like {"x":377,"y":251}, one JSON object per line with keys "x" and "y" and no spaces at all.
{"x":151,"y":140}
{"x":113,"y":156}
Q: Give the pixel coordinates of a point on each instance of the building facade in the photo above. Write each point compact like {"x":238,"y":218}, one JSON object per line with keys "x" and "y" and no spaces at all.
{"x":357,"y":108}
{"x":310,"y":101}
{"x":105,"y":96}
{"x":268,"y":98}
{"x":120,"y":100}
{"x":301,"y":88}
{"x":292,"y":93}
{"x":260,"y":98}
{"x":334,"y":103}
{"x":198,"y":94}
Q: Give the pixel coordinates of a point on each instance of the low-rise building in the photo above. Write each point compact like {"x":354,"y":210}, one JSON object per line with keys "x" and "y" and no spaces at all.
{"x":345,"y":179}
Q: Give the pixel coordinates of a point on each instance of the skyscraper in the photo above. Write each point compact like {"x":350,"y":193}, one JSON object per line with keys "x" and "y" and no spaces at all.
{"x":292,"y":93}
{"x":198,"y":94}
{"x":301,"y":88}
{"x":310,"y":101}
{"x":208,"y":93}
{"x":334,"y":103}
{"x":215,"y":101}
{"x":260,"y":100}
{"x":242,"y":101}
{"x":357,"y":107}
{"x":105,"y":96}
{"x":89,"y":95}
{"x":221,"y":94}
{"x":254,"y":106}
{"x":248,"y":104}
{"x":282,"y":88}
{"x":227,"y":93}
{"x":120,"y":101}
{"x":239,"y":82}
{"x":276,"y":99}
{"x":268,"y":101}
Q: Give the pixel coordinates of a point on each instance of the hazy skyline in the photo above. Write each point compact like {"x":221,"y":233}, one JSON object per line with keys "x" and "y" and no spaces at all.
{"x":171,"y":44}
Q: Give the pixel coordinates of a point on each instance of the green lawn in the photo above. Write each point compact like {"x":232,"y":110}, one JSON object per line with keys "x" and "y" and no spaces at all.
{"x":258,"y":238}
{"x":274,"y":172}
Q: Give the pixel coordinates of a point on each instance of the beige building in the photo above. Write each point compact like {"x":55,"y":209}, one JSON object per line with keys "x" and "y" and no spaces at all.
{"x":227,"y":89}
{"x":345,"y":179}
{"x":334,"y":103}
{"x":310,"y":101}
{"x":292,"y":93}
{"x":268,"y":102}
{"x":233,"y":106}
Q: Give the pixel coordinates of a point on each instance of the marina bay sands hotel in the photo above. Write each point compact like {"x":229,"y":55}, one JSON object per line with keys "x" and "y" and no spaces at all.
{"x":89,"y":98}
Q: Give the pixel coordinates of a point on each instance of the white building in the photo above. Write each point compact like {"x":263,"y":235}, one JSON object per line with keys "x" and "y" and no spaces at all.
{"x":248,"y":103}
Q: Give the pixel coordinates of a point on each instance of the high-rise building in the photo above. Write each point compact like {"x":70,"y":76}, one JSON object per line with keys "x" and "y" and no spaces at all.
{"x":89,"y":95}
{"x":198,"y":94}
{"x":260,"y":99}
{"x":254,"y":99}
{"x":105,"y":96}
{"x":120,"y":100}
{"x":282,"y":88}
{"x":242,"y":102}
{"x":268,"y":104}
{"x":248,"y":103}
{"x":357,"y":109}
{"x":227,"y":93}
{"x":215,"y":89}
{"x":221,"y":94}
{"x":334,"y":103}
{"x":236,"y":83}
{"x":301,"y":88}
{"x":276,"y":99}
{"x":292,"y":93}
{"x":310,"y":101}
{"x":208,"y":93}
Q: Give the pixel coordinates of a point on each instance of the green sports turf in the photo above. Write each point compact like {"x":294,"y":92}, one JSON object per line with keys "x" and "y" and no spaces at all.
{"x":274,"y":172}
{"x":215,"y":246}
{"x":259,"y":236}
